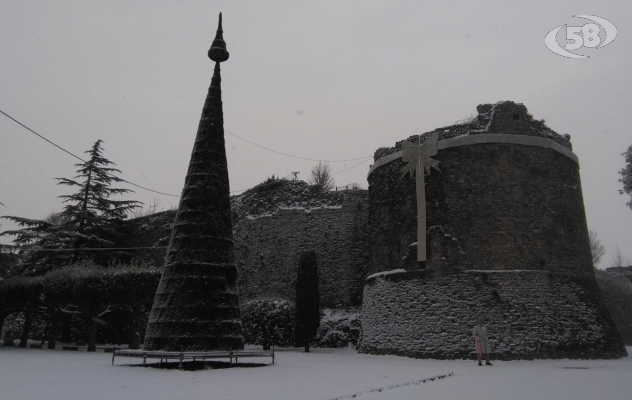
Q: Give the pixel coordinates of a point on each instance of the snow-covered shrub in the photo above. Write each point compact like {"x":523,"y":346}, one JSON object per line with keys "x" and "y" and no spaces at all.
{"x":338,"y":328}
{"x":268,"y":322}
{"x":14,"y":324}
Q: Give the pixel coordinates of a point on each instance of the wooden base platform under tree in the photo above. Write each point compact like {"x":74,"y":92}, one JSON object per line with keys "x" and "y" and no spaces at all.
{"x":181,"y":356}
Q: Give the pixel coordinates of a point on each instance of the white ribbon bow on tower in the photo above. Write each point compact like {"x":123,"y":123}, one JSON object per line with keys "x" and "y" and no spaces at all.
{"x":418,"y":159}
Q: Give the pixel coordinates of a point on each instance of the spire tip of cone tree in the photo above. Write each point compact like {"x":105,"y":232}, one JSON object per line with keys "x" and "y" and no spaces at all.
{"x":218,"y":52}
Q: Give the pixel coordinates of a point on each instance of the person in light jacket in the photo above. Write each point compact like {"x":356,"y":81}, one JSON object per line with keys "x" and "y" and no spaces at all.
{"x":480,"y":338}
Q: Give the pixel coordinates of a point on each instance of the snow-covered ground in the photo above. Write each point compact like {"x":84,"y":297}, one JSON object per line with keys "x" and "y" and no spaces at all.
{"x":32,"y":374}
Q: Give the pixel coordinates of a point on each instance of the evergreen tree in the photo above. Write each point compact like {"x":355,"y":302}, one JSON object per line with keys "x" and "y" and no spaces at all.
{"x":40,"y":234}
{"x":307,"y":317}
{"x":95,"y":216}
{"x":89,"y":219}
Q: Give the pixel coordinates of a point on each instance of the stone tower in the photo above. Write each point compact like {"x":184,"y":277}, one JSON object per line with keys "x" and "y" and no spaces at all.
{"x":505,"y":237}
{"x":196,"y":305}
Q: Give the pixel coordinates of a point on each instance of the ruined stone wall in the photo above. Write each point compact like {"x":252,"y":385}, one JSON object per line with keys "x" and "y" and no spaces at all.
{"x":270,"y":234}
{"x":617,"y":293}
{"x":625,"y":271}
{"x":493,"y":206}
{"x":531,"y":314}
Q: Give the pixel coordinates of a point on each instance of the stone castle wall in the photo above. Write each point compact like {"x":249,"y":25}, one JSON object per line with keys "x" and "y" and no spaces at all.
{"x":270,"y":233}
{"x":530,"y":314}
{"x":271,"y":227}
{"x":493,"y":206}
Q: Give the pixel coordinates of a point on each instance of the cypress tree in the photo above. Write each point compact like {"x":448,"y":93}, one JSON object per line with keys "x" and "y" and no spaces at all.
{"x":307,"y":317}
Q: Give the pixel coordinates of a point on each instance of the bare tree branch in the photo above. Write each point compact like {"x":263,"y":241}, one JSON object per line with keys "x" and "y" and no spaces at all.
{"x":109,"y":309}
{"x":597,"y":249}
{"x":619,"y":259}
{"x":321,"y":176}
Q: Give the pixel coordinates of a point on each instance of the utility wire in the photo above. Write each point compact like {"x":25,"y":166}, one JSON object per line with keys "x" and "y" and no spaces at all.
{"x":151,"y":190}
{"x":288,"y":155}
{"x":353,"y":166}
{"x":81,"y":159}
{"x":175,"y":195}
{"x":31,"y":130}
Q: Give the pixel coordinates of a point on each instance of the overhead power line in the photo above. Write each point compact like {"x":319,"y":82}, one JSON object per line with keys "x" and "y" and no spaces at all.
{"x":290,"y":155}
{"x":151,"y":190}
{"x":32,"y":131}
{"x":353,"y":166}
{"x":81,"y":159}
{"x":365,"y":159}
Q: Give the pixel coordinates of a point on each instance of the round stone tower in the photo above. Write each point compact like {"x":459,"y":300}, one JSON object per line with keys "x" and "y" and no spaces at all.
{"x":492,"y":224}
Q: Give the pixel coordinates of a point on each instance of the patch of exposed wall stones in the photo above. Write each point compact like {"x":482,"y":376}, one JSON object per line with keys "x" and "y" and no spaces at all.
{"x":530,"y":314}
{"x":617,"y":293}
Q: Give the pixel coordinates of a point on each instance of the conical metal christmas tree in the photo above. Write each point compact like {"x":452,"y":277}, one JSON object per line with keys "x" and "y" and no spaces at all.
{"x":196,"y":306}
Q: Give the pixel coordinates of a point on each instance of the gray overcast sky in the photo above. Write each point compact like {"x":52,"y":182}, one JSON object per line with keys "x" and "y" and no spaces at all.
{"x":326,"y":80}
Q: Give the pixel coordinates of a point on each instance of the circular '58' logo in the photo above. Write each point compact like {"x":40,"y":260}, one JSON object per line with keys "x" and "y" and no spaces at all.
{"x":595,"y":35}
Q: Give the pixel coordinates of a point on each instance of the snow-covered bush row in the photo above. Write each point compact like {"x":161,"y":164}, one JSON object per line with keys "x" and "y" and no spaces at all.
{"x":113,"y":300}
{"x":270,"y":322}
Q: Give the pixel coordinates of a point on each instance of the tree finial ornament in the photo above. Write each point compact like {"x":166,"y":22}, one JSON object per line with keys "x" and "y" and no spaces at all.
{"x":218,"y":52}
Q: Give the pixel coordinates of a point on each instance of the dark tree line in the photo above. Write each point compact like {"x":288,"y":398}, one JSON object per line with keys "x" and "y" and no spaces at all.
{"x":86,"y":292}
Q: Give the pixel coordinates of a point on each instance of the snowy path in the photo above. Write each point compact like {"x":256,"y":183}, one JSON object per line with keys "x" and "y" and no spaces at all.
{"x":525,"y":380}
{"x":321,"y":375}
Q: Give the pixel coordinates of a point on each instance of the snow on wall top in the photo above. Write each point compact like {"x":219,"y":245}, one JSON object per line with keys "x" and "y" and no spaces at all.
{"x":504,"y":117}
{"x":268,"y":198}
